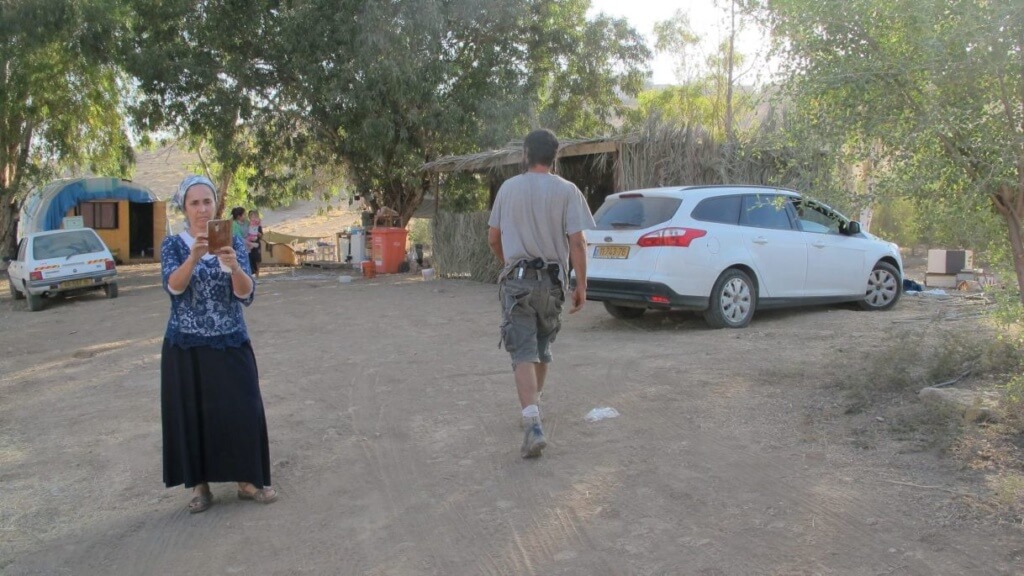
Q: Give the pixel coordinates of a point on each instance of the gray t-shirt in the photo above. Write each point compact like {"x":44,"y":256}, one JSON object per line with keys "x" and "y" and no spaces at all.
{"x":535,"y":213}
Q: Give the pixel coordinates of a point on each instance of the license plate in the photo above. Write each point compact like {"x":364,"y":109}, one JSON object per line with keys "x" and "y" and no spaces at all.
{"x":76,"y":284}
{"x":616,"y":252}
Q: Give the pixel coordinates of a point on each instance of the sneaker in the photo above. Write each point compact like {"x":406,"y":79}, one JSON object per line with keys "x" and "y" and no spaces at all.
{"x":533,"y":440}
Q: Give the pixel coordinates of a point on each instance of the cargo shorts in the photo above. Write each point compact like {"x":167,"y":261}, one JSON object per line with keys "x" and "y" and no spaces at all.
{"x":531,"y":308}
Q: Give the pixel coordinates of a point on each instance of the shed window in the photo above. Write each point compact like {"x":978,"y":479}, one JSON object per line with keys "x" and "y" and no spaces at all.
{"x":99,"y":215}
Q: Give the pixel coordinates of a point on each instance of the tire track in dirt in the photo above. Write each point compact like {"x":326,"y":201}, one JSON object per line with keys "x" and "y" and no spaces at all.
{"x":751,"y":472}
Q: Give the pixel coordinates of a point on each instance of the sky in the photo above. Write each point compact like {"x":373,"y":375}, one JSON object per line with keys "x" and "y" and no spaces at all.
{"x":707,"y":20}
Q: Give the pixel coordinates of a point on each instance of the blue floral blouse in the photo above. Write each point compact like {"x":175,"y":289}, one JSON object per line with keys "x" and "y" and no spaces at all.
{"x":207,"y":313}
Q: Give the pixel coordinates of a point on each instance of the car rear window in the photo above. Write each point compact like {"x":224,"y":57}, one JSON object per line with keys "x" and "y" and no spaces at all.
{"x":635,"y":212}
{"x":66,"y":244}
{"x":722,"y":209}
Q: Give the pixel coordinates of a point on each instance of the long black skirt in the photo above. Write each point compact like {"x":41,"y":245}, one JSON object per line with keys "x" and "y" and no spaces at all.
{"x":213,"y":422}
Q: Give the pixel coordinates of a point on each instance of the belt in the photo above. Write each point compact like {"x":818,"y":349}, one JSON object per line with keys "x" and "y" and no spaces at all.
{"x":521,"y":272}
{"x":534,"y":269}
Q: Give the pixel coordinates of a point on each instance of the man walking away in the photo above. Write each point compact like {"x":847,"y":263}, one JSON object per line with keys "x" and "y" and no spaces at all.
{"x":536,"y":231}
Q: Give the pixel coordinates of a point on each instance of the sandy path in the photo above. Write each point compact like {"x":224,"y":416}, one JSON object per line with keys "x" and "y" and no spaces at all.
{"x":394,"y":437}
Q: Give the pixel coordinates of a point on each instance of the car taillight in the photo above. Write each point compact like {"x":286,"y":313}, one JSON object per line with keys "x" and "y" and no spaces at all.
{"x":109,"y":264}
{"x":679,"y":237}
{"x":35,"y":275}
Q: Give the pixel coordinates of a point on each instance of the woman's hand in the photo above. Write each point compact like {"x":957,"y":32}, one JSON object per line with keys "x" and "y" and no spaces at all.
{"x":199,"y":248}
{"x":229,"y":258}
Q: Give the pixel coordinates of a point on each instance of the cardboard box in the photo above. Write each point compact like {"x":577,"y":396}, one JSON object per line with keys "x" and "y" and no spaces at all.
{"x":949,"y":261}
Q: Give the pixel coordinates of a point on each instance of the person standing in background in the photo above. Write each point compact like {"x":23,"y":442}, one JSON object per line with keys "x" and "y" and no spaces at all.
{"x":253,"y":239}
{"x":239,"y":227}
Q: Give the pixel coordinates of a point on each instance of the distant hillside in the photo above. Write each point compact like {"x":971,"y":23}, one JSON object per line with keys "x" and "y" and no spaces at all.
{"x":161,"y":170}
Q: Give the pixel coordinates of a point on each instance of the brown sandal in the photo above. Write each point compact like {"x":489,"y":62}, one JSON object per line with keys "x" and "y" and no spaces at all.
{"x":261,"y":495}
{"x":201,"y":503}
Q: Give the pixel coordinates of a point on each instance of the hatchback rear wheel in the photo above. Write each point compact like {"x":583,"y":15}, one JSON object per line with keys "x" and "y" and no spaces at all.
{"x":883,"y":289}
{"x":14,"y":291}
{"x":732,"y":301}
{"x":623,"y":312}
{"x":110,"y":289}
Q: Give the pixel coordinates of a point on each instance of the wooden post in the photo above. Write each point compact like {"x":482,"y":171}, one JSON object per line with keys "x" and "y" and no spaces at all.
{"x":435,"y":181}
{"x":618,"y":177}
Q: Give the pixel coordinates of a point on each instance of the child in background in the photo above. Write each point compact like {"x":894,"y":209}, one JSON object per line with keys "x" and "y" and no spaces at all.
{"x":252,"y":241}
{"x":255,"y":230}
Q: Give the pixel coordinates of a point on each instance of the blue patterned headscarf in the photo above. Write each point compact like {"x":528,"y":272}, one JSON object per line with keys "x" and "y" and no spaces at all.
{"x":191,"y":180}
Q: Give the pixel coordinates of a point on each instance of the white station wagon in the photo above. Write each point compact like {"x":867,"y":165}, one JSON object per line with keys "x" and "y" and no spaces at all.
{"x":61,"y":262}
{"x":727,"y":251}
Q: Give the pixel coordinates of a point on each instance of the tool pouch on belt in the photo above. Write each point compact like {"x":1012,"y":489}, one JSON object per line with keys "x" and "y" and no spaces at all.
{"x":555,"y":272}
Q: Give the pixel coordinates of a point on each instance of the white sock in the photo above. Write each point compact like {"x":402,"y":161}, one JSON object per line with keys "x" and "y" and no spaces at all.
{"x":531,"y":411}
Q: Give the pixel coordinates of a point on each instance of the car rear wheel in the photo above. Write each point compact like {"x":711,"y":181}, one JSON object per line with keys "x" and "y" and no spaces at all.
{"x":14,"y":291}
{"x":624,"y":312}
{"x":110,"y":290}
{"x":884,"y":288}
{"x":732,"y":301}
{"x":35,"y":302}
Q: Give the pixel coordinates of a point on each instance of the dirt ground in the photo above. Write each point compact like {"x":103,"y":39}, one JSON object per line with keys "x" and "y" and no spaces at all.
{"x":394,"y":433}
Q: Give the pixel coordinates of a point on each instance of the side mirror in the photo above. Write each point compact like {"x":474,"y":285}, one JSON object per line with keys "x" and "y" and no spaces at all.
{"x":853,"y":227}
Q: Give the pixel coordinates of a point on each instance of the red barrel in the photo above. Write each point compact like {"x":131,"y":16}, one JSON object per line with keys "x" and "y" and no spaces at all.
{"x":388,"y":245}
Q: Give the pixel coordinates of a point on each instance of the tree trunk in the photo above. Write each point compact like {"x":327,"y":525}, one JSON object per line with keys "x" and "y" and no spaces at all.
{"x":412,"y":199}
{"x":730,"y":136}
{"x":223,"y":182}
{"x":1007,"y":201}
{"x":8,"y":228}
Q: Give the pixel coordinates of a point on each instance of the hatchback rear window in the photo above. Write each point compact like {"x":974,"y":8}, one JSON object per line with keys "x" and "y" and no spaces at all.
{"x":635,"y":212}
{"x":66,"y":244}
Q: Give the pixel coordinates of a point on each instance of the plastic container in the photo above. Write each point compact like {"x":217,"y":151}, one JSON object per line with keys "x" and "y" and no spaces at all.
{"x":368,"y":268}
{"x":356,"y":245}
{"x":428,"y":274}
{"x":388,"y":248}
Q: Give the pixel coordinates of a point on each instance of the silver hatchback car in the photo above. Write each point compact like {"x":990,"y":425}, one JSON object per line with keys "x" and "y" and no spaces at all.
{"x":61,"y":262}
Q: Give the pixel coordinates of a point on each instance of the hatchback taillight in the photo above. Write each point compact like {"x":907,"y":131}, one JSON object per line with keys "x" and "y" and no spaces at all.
{"x":679,"y":237}
{"x":109,"y":264}
{"x":35,"y":275}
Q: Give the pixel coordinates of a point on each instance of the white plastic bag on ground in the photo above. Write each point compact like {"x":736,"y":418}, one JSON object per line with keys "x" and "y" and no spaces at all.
{"x":600,"y":414}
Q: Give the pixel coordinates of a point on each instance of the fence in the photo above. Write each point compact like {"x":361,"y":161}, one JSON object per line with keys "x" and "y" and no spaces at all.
{"x":460,"y":247}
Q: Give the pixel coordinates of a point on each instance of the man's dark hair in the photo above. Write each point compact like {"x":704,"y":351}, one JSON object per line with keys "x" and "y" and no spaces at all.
{"x":236,"y":212}
{"x":541,"y":147}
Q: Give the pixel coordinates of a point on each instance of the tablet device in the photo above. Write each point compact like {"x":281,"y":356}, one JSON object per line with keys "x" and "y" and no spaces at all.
{"x":218,"y":234}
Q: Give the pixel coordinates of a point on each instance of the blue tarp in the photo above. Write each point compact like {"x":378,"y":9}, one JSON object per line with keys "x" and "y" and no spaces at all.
{"x":45,"y":208}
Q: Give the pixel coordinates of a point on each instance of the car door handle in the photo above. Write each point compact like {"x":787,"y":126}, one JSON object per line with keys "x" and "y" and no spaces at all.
{"x":760,"y":240}
{"x":818,"y":244}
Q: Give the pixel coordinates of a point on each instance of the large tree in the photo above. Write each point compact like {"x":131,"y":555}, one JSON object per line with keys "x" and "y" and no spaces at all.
{"x":931,"y":88}
{"x":278,"y":89}
{"x":391,"y":85}
{"x":203,"y":71}
{"x":60,"y":98}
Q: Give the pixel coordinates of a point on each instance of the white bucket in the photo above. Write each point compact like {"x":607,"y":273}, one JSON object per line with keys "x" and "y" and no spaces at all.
{"x":428,"y":273}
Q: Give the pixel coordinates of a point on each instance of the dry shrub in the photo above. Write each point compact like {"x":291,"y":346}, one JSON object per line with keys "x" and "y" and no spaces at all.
{"x":916,"y":360}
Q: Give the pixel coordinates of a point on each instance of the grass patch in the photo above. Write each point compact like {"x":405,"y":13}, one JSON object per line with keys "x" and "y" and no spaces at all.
{"x":917,"y":361}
